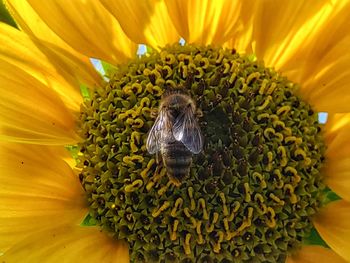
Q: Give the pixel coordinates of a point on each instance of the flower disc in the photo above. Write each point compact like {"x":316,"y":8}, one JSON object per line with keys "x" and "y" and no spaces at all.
{"x":252,"y":190}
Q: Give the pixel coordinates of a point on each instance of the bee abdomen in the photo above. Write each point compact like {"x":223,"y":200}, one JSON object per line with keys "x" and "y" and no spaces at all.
{"x":177,"y":159}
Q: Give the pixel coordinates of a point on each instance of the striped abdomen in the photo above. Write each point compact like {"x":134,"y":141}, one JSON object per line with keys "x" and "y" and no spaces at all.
{"x":177,"y":160}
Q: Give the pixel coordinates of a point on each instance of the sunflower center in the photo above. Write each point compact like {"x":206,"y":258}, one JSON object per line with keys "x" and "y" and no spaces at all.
{"x":250,"y":192}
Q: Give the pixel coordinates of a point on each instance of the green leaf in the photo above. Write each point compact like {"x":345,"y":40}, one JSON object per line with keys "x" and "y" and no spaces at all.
{"x":108,"y":68}
{"x":252,"y":57}
{"x":5,"y":16}
{"x":149,"y":50}
{"x":315,"y":239}
{"x":88,"y":221}
{"x":85,"y":92}
{"x":74,"y":151}
{"x":330,"y":196}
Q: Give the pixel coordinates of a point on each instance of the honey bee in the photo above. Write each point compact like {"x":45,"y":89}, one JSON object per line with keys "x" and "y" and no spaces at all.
{"x":176,"y":134}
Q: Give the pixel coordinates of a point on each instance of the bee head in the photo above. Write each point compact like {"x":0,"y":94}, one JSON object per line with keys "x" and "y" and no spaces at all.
{"x":176,"y":100}
{"x":174,"y":109}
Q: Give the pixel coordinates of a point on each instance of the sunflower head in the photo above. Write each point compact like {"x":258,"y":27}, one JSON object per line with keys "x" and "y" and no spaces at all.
{"x":257,"y":190}
{"x":250,"y":193}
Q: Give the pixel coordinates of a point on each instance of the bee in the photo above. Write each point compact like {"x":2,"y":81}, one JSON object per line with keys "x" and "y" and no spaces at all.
{"x":176,"y":134}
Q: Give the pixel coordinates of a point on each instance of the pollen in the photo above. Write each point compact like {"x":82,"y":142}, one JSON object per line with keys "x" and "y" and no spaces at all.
{"x":250,"y":193}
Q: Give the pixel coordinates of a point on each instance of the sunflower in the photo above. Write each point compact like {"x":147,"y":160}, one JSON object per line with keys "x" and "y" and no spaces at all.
{"x":270,"y":184}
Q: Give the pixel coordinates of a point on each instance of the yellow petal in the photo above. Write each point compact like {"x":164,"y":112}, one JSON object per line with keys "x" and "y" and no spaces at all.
{"x":325,"y":32}
{"x":337,"y":168}
{"x":45,"y":65}
{"x":315,"y":254}
{"x":242,"y":38}
{"x":307,"y":41}
{"x":38,"y":190}
{"x":31,"y":23}
{"x":335,"y":123}
{"x":69,"y":63}
{"x":281,"y":27}
{"x":333,"y":224}
{"x":144,"y":21}
{"x":68,"y":244}
{"x":328,"y":89}
{"x":87,"y":27}
{"x":31,"y":112}
{"x":205,"y":21}
{"x":274,"y":29}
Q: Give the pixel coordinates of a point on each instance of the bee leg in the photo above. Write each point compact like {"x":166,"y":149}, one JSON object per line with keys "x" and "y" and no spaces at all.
{"x":156,"y":171}
{"x":157,"y":158}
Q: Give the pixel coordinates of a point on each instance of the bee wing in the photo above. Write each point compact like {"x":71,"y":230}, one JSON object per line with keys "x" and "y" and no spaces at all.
{"x":153,"y":139}
{"x":186,"y":130}
{"x":157,"y":133}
